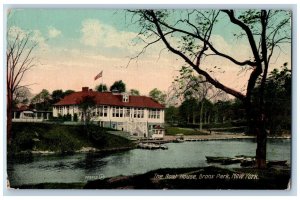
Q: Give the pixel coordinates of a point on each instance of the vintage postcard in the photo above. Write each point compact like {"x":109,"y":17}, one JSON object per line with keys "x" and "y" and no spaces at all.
{"x":148,"y":99}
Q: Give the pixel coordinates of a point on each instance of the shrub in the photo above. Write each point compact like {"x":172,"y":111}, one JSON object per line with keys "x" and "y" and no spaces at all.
{"x":75,"y":117}
{"x":60,"y":139}
{"x":23,"y":141}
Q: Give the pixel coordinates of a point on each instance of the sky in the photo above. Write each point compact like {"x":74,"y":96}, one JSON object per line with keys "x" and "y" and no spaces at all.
{"x":76,"y":44}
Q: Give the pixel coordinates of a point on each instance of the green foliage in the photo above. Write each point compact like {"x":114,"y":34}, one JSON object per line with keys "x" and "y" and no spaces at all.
{"x":67,"y":92}
{"x":41,"y":101}
{"x":57,"y":95}
{"x":118,"y":85}
{"x":134,"y":92}
{"x":86,"y":105}
{"x":158,"y":96}
{"x":184,"y":131}
{"x":63,"y":138}
{"x":172,"y":115}
{"x":75,"y":117}
{"x":101,"y":88}
{"x":277,"y":100}
{"x":23,"y":140}
{"x":60,"y":139}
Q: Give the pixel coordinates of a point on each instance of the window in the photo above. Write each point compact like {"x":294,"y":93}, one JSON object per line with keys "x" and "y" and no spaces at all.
{"x":127,"y":112}
{"x":135,"y":113}
{"x":114,"y":111}
{"x":105,"y":111}
{"x":117,"y":111}
{"x":154,"y":113}
{"x":121,"y":111}
{"x":60,"y":109}
{"x":138,"y":112}
{"x":125,"y":98}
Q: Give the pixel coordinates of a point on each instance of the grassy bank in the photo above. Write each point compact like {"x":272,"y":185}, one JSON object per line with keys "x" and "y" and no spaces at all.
{"x":199,"y":178}
{"x":184,"y":131}
{"x":63,"y":138}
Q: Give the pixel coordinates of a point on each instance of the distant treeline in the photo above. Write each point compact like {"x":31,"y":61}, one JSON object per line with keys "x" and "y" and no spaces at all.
{"x":277,"y":108}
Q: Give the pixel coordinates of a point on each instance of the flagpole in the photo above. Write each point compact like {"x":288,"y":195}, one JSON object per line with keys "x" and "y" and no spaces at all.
{"x":102,"y":83}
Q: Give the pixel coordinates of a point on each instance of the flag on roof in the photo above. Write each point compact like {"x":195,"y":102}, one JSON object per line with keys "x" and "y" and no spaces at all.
{"x":98,"y":75}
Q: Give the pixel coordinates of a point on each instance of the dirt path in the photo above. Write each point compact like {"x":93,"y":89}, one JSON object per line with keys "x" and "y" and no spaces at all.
{"x":209,"y":137}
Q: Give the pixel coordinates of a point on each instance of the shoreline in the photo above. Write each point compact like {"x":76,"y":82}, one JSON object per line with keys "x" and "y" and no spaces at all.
{"x":211,"y":137}
{"x":166,"y":139}
{"x":82,"y":150}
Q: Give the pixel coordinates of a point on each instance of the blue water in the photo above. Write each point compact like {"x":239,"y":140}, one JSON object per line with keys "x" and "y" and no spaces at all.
{"x":87,"y":166}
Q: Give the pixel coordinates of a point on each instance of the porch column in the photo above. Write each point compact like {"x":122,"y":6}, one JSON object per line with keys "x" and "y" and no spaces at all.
{"x":14,"y":115}
{"x":35,"y":115}
{"x":47,"y":116}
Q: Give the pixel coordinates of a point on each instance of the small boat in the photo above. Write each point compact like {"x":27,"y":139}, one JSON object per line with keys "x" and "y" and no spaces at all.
{"x":151,"y":146}
{"x":248,"y":163}
{"x":223,"y":160}
{"x":277,"y":162}
{"x":216,"y":159}
{"x":178,"y":140}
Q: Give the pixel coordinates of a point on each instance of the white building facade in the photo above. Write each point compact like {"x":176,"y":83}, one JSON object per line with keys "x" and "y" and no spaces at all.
{"x":138,"y":115}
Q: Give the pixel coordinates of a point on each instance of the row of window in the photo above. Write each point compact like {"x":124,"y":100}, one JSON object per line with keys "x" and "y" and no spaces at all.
{"x":117,"y":111}
{"x":126,"y":112}
{"x":154,"y":114}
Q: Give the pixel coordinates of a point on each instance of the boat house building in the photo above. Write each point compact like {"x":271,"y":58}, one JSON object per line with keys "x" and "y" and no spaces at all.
{"x":139,"y":115}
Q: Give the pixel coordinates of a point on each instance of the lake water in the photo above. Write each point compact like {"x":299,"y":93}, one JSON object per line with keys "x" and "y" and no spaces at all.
{"x":88,"y":166}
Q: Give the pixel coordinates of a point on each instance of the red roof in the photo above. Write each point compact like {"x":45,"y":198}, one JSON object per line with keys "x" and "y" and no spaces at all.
{"x":108,"y":98}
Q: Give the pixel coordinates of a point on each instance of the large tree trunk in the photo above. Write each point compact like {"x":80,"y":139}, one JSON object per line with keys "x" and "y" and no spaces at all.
{"x":194,"y":117}
{"x":256,"y":124}
{"x":9,"y":117}
{"x":201,"y":114}
{"x":261,"y":149}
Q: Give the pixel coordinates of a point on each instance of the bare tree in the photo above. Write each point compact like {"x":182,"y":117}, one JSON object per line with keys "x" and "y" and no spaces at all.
{"x":187,"y":34}
{"x":19,"y":61}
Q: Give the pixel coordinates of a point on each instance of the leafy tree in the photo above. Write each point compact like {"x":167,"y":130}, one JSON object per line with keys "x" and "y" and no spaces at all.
{"x":118,"y":85}
{"x":277,"y":99}
{"x":172,"y":115}
{"x":57,"y":95}
{"x":41,"y":101}
{"x":21,"y":95}
{"x":101,"y":88}
{"x":67,"y":92}
{"x":134,"y":92}
{"x":86,"y":105}
{"x":263,"y":30}
{"x":158,"y":96}
{"x":188,"y":111}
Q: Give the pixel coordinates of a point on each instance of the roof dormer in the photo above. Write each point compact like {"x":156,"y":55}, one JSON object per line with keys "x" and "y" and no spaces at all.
{"x":125,"y":97}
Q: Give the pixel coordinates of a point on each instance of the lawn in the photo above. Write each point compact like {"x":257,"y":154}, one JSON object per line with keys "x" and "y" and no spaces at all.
{"x":62,"y":138}
{"x":184,"y":131}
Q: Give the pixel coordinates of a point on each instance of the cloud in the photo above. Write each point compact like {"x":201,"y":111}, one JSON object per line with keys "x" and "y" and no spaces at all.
{"x":95,"y":33}
{"x":15,"y":31}
{"x":53,"y":32}
{"x":34,"y":36}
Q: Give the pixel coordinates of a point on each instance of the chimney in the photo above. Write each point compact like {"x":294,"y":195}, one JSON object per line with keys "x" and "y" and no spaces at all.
{"x":85,"y":89}
{"x":115,"y":91}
